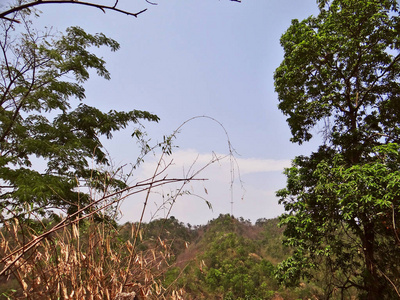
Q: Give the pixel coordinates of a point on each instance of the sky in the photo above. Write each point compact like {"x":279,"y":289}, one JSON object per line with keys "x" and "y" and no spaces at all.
{"x":183,"y":59}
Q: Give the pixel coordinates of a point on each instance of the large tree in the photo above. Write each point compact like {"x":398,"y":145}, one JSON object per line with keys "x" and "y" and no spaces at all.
{"x":50,"y":140}
{"x":341,"y":73}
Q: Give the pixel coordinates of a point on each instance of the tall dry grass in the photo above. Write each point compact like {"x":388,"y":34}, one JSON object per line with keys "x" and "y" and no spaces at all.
{"x":83,"y":261}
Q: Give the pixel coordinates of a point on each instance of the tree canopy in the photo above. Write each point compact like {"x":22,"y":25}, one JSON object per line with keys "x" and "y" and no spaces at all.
{"x":342,"y":67}
{"x":340,"y":72}
{"x":44,"y":117}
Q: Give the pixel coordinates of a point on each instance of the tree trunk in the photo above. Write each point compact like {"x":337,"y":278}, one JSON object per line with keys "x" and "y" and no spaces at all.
{"x":371,"y":279}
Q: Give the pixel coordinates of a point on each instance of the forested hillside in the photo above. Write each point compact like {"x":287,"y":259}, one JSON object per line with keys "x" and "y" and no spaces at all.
{"x":228,"y":258}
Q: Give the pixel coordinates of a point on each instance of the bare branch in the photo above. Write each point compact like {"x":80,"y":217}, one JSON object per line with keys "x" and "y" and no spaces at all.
{"x":152,"y":3}
{"x":103,"y":8}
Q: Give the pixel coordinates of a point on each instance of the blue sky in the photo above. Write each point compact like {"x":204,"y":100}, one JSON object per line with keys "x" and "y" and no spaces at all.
{"x":187,"y":58}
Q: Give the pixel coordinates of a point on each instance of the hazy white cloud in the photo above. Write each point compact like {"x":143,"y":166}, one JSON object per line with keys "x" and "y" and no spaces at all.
{"x":190,"y":160}
{"x":252,"y":165}
{"x":261,"y":178}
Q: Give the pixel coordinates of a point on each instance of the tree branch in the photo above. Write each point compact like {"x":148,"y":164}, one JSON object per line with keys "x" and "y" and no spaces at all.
{"x":103,"y":8}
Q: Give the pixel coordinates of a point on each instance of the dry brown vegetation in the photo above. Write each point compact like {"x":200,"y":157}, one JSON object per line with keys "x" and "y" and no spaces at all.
{"x":84,"y":261}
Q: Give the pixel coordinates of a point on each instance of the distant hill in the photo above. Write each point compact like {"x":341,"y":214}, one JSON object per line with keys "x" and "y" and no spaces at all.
{"x":228,"y":258}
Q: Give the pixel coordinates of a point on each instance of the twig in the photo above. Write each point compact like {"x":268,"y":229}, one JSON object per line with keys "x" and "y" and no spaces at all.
{"x":103,"y":8}
{"x":391,"y":282}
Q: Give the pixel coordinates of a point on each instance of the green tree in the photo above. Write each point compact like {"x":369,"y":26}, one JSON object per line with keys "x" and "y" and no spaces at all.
{"x":341,"y":72}
{"x":43,"y":118}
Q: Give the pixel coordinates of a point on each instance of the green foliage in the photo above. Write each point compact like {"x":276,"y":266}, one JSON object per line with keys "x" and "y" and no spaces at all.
{"x":42,"y":123}
{"x":233,"y":269}
{"x":272,"y":240}
{"x":330,"y":222}
{"x":230,"y":260}
{"x":342,"y":66}
{"x":341,"y":72}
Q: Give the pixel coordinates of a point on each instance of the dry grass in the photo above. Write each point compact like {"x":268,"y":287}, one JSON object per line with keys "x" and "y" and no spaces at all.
{"x":83,"y":262}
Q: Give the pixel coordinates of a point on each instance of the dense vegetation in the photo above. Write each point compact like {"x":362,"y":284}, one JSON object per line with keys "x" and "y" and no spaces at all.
{"x":228,"y":258}
{"x":340,"y":76}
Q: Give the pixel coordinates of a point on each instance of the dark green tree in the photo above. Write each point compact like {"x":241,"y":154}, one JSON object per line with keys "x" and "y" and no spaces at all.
{"x":341,"y":73}
{"x":43,"y":119}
